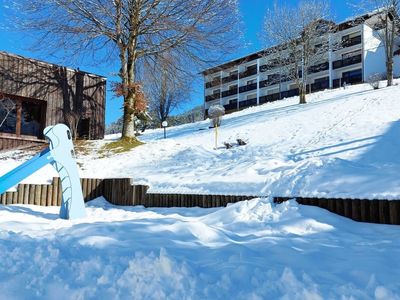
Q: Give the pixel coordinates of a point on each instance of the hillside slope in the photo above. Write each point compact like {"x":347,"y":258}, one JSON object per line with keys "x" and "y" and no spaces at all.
{"x":342,"y":143}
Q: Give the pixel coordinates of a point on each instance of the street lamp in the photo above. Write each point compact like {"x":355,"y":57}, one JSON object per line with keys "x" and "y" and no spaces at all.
{"x":165,"y":124}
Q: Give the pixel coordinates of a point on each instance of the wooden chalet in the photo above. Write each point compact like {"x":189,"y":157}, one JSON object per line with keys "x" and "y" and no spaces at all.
{"x":36,"y":94}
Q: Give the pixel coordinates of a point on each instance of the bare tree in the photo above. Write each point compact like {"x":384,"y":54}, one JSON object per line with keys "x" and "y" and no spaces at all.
{"x":73,"y":117}
{"x":386,"y":23}
{"x":168,"y":85}
{"x":129,"y":31}
{"x":303,"y":35}
{"x":7,"y":106}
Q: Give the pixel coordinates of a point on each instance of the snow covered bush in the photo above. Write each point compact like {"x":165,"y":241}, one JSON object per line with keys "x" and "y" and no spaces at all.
{"x":215,"y":112}
{"x":374,"y":80}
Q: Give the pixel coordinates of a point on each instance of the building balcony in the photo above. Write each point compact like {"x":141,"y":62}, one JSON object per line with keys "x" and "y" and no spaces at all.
{"x":270,"y":98}
{"x":248,"y":87}
{"x":247,"y":103}
{"x":248,"y":72}
{"x":231,"y":106}
{"x":351,"y":42}
{"x":320,"y":86}
{"x":268,"y":82}
{"x":290,"y":93}
{"x":318,"y":68}
{"x":213,"y":97}
{"x":213,"y":83}
{"x":230,"y":92}
{"x":230,"y":78}
{"x":347,"y":61}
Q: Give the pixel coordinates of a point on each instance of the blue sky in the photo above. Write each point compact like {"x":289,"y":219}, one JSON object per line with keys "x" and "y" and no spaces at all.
{"x":252,"y":12}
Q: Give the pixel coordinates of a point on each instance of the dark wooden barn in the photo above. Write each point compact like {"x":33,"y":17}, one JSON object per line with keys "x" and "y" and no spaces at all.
{"x":36,"y":94}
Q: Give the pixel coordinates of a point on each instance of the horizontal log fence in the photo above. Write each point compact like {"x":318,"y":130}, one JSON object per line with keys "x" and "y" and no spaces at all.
{"x":121,"y":191}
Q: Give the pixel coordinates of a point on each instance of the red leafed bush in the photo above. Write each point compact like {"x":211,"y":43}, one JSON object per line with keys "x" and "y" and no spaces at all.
{"x":134,"y":88}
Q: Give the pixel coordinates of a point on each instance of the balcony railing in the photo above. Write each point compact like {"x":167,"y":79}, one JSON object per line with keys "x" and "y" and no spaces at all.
{"x":231,"y":106}
{"x":230,"y":78}
{"x":248,"y":72}
{"x":318,"y":68}
{"x":230,"y":92}
{"x":290,"y":93}
{"x":270,"y":98}
{"x":248,"y":87}
{"x":213,"y":97}
{"x":351,"y":42}
{"x":319,"y":86}
{"x":213,"y":83}
{"x":347,"y":61}
{"x":269,"y":82}
{"x":247,"y":103}
{"x":348,"y":80}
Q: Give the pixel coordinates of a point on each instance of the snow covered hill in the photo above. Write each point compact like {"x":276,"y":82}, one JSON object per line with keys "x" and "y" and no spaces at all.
{"x":343,"y":143}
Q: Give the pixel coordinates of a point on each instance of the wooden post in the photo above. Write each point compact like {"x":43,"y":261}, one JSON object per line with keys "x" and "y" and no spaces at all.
{"x":43,"y":195}
{"x":20,"y":190}
{"x":384,"y":217}
{"x":38,"y":193}
{"x":9,"y":197}
{"x":374,"y":211}
{"x":355,"y":210}
{"x":347,"y":208}
{"x":26,"y":193}
{"x":55,"y":191}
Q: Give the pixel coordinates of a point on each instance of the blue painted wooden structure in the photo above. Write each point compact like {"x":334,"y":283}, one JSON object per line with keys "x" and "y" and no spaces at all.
{"x":60,"y":154}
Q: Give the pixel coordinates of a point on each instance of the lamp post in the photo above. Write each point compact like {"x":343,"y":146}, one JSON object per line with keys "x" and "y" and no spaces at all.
{"x":164,"y":124}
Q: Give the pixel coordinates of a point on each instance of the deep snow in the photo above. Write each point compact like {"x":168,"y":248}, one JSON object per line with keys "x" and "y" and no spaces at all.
{"x":249,"y":250}
{"x":342,"y":143}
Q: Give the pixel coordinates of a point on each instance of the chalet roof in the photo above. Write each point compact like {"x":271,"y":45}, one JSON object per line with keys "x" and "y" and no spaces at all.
{"x":44,"y":63}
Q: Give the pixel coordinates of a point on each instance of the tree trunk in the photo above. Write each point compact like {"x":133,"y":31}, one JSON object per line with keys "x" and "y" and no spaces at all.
{"x":128,"y":128}
{"x":128,"y":79}
{"x":389,"y":72}
{"x":302,"y":94}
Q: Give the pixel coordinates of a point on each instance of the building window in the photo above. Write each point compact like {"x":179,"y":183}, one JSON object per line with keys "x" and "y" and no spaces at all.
{"x":233,"y":101}
{"x":232,"y":73}
{"x":21,"y":116}
{"x":8,"y":115}
{"x":31,"y":117}
{"x":233,"y":87}
{"x":251,"y":96}
{"x":216,"y":91}
{"x":251,"y":81}
{"x":351,"y":54}
{"x":353,"y":77}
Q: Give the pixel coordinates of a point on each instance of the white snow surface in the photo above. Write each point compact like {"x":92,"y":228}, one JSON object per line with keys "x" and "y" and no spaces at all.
{"x":342,"y":143}
{"x":248,"y":250}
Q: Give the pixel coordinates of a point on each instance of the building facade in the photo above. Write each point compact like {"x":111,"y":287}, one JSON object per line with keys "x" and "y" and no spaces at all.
{"x":256,"y":79}
{"x":36,"y":94}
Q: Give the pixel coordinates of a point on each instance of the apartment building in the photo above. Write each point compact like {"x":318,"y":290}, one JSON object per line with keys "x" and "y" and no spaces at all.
{"x":255,"y":79}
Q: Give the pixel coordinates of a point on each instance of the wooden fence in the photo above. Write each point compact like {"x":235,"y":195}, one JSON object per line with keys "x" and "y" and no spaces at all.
{"x":121,"y":191}
{"x":361,"y":210}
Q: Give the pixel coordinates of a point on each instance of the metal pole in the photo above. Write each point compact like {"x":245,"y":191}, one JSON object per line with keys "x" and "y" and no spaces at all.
{"x":165,"y":132}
